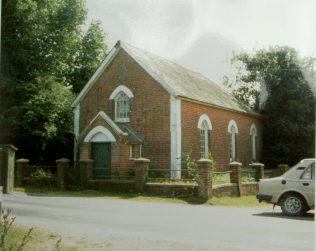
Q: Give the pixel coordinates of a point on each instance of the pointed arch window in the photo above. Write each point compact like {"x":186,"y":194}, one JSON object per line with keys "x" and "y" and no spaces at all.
{"x":122,"y":107}
{"x":232,"y":130}
{"x":204,"y":140}
{"x":205,"y":126}
{"x":253,"y":135}
{"x":122,"y":96}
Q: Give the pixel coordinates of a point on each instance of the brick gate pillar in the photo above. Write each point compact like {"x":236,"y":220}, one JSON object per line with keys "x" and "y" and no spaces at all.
{"x":141,"y":169}
{"x":85,"y":172}
{"x":62,"y":169}
{"x":235,"y":175}
{"x":204,"y":178}
{"x":259,"y":168}
{"x":22,"y":167}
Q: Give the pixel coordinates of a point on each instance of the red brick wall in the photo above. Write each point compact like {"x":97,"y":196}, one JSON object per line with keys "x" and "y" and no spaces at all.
{"x":219,"y":144}
{"x":149,"y":116}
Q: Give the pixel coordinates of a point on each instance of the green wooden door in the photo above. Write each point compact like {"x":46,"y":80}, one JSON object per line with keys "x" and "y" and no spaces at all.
{"x":101,"y":154}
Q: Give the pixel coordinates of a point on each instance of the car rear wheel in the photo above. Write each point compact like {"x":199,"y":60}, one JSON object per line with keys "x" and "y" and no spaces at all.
{"x":293,"y":205}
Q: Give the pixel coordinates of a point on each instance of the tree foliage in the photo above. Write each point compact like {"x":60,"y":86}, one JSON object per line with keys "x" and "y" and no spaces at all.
{"x":288,"y":110}
{"x":92,"y":51}
{"x":46,"y":57}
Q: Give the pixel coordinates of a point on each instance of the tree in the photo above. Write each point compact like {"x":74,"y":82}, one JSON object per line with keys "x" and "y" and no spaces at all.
{"x":44,"y":49}
{"x":288,"y":112}
{"x":90,"y":54}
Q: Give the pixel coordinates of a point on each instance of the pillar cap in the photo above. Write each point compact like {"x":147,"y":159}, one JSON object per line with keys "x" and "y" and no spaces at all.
{"x":62,"y":160}
{"x":205,"y":161}
{"x":86,"y":160}
{"x":23,"y":161}
{"x":142,"y":160}
{"x":256,"y":164}
{"x":235,"y":163}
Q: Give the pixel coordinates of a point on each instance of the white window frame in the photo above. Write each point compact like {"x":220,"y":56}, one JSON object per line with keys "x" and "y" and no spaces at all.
{"x":204,"y":141}
{"x":233,"y":131}
{"x":132,"y":151}
{"x":116,"y":95}
{"x":253,"y":135}
{"x":140,"y":151}
{"x":122,"y":108}
{"x":205,"y":125}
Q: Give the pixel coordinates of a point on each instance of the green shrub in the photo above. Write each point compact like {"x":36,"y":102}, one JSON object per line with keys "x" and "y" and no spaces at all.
{"x":189,"y":166}
{"x":41,"y":173}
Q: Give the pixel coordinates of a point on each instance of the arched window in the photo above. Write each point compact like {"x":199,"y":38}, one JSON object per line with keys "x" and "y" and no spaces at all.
{"x":204,"y":125}
{"x":232,"y":130}
{"x":122,"y":107}
{"x":122,"y":96}
{"x":204,"y":140}
{"x":253,"y":134}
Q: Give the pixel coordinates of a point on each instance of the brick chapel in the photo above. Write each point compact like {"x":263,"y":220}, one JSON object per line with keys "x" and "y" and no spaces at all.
{"x":138,"y":104}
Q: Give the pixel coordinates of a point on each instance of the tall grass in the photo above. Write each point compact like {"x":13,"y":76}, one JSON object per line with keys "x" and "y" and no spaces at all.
{"x":9,"y":240}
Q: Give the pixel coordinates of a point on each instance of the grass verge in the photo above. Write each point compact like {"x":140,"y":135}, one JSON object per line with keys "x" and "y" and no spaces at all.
{"x":45,"y":240}
{"x":244,"y":201}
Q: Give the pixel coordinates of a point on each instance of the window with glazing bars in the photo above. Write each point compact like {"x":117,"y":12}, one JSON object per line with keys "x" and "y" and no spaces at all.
{"x":122,"y":106}
{"x":232,"y":143}
{"x":204,"y":140}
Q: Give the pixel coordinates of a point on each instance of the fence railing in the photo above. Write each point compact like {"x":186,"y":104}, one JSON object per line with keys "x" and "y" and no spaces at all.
{"x":196,"y":181}
{"x":219,"y":178}
{"x":172,"y":176}
{"x":177,"y":176}
{"x":248,"y":175}
{"x":113,"y":173}
{"x":154,"y":175}
{"x":42,"y":171}
{"x":270,"y":173}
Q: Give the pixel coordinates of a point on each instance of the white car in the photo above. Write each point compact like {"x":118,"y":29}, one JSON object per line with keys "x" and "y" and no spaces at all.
{"x":294,"y":191}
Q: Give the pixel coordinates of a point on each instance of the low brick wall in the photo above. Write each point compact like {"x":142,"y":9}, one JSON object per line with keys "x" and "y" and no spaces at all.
{"x":225,"y":190}
{"x":112,"y":185}
{"x":231,"y":190}
{"x":40,"y":182}
{"x":172,"y":189}
{"x":249,"y":188}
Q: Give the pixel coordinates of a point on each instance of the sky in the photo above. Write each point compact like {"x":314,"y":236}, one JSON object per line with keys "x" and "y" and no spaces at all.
{"x":202,"y":35}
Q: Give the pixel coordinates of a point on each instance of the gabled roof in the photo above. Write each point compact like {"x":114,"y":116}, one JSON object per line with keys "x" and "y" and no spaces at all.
{"x":120,"y":129}
{"x":133,"y":137}
{"x":110,"y":122}
{"x":175,"y":79}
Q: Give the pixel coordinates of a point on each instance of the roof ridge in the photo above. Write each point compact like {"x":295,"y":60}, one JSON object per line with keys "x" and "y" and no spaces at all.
{"x":169,"y":61}
{"x":174,"y":78}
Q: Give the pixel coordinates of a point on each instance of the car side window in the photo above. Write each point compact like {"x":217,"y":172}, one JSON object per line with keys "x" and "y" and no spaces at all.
{"x":309,"y":173}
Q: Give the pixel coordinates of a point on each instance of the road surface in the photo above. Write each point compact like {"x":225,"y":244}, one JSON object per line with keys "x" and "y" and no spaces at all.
{"x":164,"y":226}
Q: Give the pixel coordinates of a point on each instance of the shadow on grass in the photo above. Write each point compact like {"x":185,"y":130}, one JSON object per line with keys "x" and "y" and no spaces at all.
{"x":309,"y":216}
{"x":54,"y":192}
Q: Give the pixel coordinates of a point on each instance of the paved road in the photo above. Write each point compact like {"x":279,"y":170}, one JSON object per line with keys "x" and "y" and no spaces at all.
{"x":199,"y":227}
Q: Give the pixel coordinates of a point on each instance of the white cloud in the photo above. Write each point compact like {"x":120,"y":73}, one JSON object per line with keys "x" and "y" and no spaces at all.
{"x":160,"y":26}
{"x":171,"y":28}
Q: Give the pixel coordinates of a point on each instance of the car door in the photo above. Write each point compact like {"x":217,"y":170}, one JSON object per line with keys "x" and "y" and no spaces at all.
{"x":307,"y":183}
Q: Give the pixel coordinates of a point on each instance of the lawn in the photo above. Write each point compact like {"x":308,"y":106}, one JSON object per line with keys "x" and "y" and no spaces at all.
{"x":244,"y":201}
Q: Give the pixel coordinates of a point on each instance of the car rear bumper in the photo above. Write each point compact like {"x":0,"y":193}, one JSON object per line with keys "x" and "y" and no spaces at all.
{"x":264,"y":197}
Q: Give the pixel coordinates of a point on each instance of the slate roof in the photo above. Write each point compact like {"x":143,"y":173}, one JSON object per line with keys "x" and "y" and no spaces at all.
{"x":181,"y":82}
{"x":133,"y":137}
{"x":175,"y":79}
